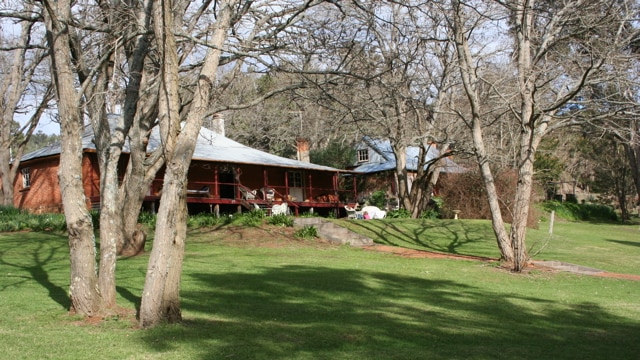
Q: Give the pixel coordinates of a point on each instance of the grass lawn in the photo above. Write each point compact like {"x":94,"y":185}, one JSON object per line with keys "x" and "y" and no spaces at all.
{"x":262,"y":294}
{"x":611,"y":247}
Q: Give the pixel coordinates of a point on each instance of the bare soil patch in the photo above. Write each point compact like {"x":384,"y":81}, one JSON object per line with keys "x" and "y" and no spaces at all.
{"x":269,"y":236}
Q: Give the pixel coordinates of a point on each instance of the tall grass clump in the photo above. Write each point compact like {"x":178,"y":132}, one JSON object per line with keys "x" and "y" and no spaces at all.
{"x":307,"y":232}
{"x":280,"y":220}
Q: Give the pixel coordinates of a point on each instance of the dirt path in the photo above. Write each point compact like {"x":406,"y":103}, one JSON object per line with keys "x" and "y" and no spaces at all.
{"x":539,"y":265}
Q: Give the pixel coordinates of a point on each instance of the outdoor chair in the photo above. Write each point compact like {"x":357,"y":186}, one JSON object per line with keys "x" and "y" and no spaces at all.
{"x":248,"y":194}
{"x":268,"y":193}
{"x":352,"y":212}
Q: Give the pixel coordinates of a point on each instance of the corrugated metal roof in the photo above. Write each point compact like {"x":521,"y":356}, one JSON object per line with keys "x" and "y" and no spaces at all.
{"x":383,"y":147}
{"x":210,"y":146}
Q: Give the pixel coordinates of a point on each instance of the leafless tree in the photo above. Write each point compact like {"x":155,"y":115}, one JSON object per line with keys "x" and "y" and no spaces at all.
{"x":83,"y":290}
{"x":388,"y":69}
{"x":25,"y":92}
{"x":553,"y":52}
{"x":228,"y":33}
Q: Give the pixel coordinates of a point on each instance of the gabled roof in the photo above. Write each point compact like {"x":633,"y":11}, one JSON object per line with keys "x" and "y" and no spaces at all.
{"x":383,"y":147}
{"x":210,"y":146}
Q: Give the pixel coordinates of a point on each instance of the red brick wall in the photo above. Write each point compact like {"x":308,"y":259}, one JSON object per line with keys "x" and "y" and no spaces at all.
{"x":44,"y":194}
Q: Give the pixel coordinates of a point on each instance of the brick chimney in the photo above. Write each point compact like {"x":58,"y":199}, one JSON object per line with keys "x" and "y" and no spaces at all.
{"x":217,"y":124}
{"x":302,"y":144}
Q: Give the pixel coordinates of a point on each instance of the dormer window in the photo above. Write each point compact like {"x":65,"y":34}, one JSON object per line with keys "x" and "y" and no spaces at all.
{"x":363,"y":155}
{"x":26,"y":178}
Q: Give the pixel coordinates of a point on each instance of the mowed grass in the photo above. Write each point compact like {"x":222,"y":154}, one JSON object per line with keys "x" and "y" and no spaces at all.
{"x":607,"y":246}
{"x":264,"y":295}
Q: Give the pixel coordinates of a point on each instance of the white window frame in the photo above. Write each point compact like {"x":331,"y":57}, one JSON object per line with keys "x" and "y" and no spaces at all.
{"x":363,"y":155}
{"x":26,"y":177}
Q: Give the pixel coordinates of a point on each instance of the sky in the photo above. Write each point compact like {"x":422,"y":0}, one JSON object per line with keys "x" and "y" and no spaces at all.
{"x":46,"y":125}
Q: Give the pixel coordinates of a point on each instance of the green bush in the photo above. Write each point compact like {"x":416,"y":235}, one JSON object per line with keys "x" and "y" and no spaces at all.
{"x":379,"y":199}
{"x":306,"y":232}
{"x":581,"y":212}
{"x":399,"y":214}
{"x":280,"y":220}
{"x":252,"y":218}
{"x":435,"y":209}
{"x":148,"y":219}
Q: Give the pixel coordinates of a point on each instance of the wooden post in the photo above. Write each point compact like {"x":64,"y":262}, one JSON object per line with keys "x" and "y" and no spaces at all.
{"x":216,"y":183}
{"x":553,"y":215}
{"x":286,"y":184}
{"x":266,"y":179}
{"x":355,"y":190}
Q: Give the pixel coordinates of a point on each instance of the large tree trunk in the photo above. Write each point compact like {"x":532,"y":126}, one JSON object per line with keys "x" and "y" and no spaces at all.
{"x":522,"y":201}
{"x":6,"y":187}
{"x":401,"y":176}
{"x":471,"y":83}
{"x":166,"y":255}
{"x":160,"y":297}
{"x":161,"y":293}
{"x":109,"y":141}
{"x":83,"y":290}
{"x":506,"y":251}
{"x":633,"y":155}
{"x":110,"y":230}
{"x":137,"y":181}
{"x":140,"y":115}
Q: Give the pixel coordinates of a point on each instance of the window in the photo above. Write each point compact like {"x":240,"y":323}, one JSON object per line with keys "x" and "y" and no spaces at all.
{"x":26,"y":177}
{"x":294,"y":179}
{"x":363,"y":155}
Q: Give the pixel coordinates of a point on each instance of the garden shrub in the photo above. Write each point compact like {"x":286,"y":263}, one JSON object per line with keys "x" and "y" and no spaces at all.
{"x":584,"y":212}
{"x":466,"y":192}
{"x":434,"y":210}
{"x":306,"y":232}
{"x":379,"y":199}
{"x":252,"y":218}
{"x":399,"y":214}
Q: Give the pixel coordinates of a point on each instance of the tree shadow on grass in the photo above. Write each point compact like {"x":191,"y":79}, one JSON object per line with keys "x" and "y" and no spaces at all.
{"x":459,"y":235}
{"x":46,"y":254}
{"x":622,"y":242}
{"x":326,"y":313}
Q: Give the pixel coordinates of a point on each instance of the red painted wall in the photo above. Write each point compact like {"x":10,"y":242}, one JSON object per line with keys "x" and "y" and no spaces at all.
{"x":44,"y":194}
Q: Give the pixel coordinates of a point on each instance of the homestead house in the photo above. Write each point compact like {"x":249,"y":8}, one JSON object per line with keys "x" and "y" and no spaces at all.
{"x":224,"y":176}
{"x":375,"y":167}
